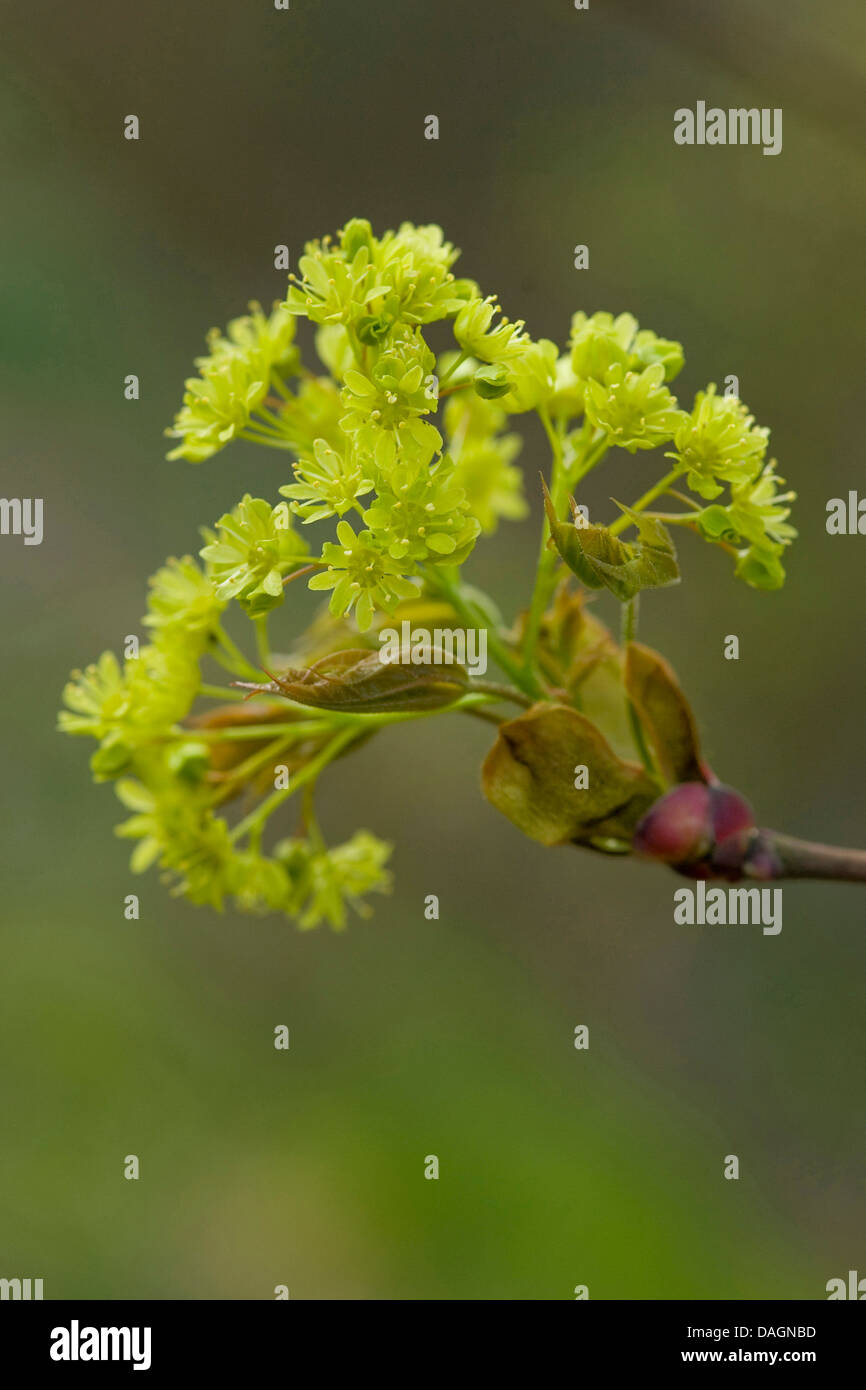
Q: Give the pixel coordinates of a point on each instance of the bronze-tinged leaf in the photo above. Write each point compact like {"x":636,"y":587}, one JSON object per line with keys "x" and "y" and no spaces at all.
{"x":530,"y":772}
{"x":327,"y":634}
{"x":665,"y":714}
{"x":582,"y":665}
{"x":602,"y":560}
{"x":359,"y":682}
{"x":226,"y":754}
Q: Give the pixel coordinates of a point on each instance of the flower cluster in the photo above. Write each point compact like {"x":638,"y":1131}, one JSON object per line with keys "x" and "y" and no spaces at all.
{"x":193,"y":846}
{"x":167,"y":767}
{"x":755,"y":523}
{"x":618,"y":374}
{"x":365,"y":437}
{"x":404,"y":454}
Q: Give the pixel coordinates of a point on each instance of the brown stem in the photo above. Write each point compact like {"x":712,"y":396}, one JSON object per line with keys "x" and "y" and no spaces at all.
{"x":803,"y":859}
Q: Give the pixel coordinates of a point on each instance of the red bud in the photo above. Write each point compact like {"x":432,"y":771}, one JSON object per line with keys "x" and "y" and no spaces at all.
{"x":731,"y":813}
{"x":700,"y":830}
{"x":678,"y":828}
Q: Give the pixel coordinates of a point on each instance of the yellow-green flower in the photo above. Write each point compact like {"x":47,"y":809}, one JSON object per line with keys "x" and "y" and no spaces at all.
{"x":362,"y":576}
{"x":256,"y":335}
{"x":219,"y":404}
{"x":253,"y":550}
{"x":473,"y":331}
{"x":175,"y":826}
{"x":635,"y":409}
{"x":422,"y":514}
{"x":601,"y":341}
{"x":531,"y":377}
{"x":329,"y":483}
{"x":483,"y":459}
{"x":719,"y":439}
{"x":399,"y":387}
{"x":326,"y":880}
{"x":183,"y":600}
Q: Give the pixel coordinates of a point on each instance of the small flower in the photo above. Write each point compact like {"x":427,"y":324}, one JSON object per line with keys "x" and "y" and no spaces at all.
{"x":326,"y":880}
{"x":493,"y":487}
{"x":97,"y":699}
{"x":647,"y":348}
{"x":362,"y":575}
{"x":234,"y":376}
{"x":600,"y":342}
{"x":416,"y":262}
{"x":567,"y":398}
{"x":635,"y":408}
{"x":399,"y":387}
{"x":183,"y":601}
{"x":131,"y":707}
{"x":758,"y":511}
{"x":252,"y":552}
{"x":754,"y":521}
{"x":335,"y":287}
{"x":259,"y":884}
{"x":175,"y":826}
{"x":491,"y":381}
{"x":329,"y":483}
{"x":257,"y":336}
{"x":532,"y":377}
{"x":422,"y":514}
{"x":760,"y":567}
{"x":217,"y":406}
{"x":719,"y":439}
{"x":472,"y":329}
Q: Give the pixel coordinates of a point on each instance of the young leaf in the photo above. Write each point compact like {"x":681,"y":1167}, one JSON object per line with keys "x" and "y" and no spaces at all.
{"x":665,"y":714}
{"x":601,"y":560}
{"x":529,"y":775}
{"x":359,"y":682}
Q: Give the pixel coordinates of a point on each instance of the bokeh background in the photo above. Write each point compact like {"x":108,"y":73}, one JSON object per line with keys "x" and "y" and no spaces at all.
{"x":411,"y":1037}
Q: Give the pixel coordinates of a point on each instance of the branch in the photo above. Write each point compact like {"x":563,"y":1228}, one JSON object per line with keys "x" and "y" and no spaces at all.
{"x":804,"y":859}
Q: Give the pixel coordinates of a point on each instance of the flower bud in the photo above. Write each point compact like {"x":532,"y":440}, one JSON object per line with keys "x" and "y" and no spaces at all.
{"x":373,"y":328}
{"x":492,"y":381}
{"x":189,"y":760}
{"x":677,"y":829}
{"x":732,"y":814}
{"x":699,"y":829}
{"x":355,"y":234}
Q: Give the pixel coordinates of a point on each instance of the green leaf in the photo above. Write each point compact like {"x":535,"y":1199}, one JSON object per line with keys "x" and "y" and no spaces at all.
{"x":529,"y":775}
{"x":601,"y":560}
{"x":360,"y":682}
{"x":665,"y":714}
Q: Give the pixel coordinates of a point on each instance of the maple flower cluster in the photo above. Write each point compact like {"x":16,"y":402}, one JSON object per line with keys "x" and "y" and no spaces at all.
{"x":403,"y":453}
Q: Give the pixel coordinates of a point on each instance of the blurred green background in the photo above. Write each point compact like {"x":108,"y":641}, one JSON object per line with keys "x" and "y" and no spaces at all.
{"x":411,"y":1037}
